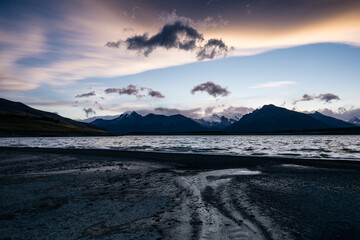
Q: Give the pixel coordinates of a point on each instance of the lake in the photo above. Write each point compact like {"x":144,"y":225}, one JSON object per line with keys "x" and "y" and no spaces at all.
{"x":336,"y":147}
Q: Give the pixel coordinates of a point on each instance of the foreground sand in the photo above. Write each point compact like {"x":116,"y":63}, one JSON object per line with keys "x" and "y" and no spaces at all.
{"x":88,"y":194}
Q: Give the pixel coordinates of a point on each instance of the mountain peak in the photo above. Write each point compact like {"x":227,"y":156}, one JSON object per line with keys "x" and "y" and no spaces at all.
{"x":134,"y":114}
{"x":269,"y":106}
{"x":355,"y":120}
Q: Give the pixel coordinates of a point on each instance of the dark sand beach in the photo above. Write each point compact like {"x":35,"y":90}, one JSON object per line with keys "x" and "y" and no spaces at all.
{"x":104,"y":194}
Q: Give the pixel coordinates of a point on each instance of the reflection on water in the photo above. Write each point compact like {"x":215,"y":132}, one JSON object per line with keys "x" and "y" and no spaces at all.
{"x":293,"y":146}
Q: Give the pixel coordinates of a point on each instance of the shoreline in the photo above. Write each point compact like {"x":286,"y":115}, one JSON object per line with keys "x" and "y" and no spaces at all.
{"x":196,"y":160}
{"x":111,"y":194}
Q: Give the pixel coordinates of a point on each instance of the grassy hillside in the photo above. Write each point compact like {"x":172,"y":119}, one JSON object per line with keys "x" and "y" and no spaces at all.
{"x":17,"y":119}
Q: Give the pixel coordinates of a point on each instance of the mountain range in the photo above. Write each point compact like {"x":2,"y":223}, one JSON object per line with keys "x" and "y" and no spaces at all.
{"x":276,"y":119}
{"x":151,"y":123}
{"x":18,"y":119}
{"x":268,"y":119}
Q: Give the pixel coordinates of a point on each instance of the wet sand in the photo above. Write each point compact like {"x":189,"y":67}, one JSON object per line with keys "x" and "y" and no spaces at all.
{"x":104,"y":194}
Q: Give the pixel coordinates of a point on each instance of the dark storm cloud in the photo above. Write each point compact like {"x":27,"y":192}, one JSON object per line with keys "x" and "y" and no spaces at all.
{"x":89,"y":94}
{"x":89,"y":111}
{"x":179,"y":35}
{"x":213,"y":48}
{"x":134,"y":90}
{"x":211,"y":88}
{"x":129,"y":90}
{"x":176,"y":35}
{"x":326,"y":97}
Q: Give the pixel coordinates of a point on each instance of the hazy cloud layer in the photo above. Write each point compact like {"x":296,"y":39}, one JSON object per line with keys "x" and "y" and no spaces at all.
{"x":211,"y":88}
{"x":273,"y":84}
{"x":77,"y":51}
{"x":192,"y":113}
{"x":89,"y":94}
{"x":89,"y":111}
{"x":230,"y":111}
{"x":326,"y":97}
{"x":341,"y":113}
{"x":178,"y":35}
{"x":134,"y":90}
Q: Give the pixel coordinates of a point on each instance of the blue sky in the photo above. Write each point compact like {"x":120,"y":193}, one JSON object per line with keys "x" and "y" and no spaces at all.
{"x":52,"y":53}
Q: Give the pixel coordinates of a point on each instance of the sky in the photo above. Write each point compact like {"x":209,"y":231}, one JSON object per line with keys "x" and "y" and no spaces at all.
{"x":86,"y":58}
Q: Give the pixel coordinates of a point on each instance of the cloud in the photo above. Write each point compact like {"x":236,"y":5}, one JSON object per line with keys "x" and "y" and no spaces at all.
{"x":129,"y":90}
{"x":176,"y":35}
{"x":113,"y":44}
{"x":89,"y":94}
{"x":213,"y":48}
{"x":211,"y":88}
{"x":273,"y":84}
{"x":99,"y":105}
{"x":326,"y":97}
{"x":209,"y":110}
{"x":134,"y":90}
{"x":89,"y":111}
{"x":153,"y":93}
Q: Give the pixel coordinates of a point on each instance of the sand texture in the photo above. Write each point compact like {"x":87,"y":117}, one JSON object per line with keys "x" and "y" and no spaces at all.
{"x":85,"y":194}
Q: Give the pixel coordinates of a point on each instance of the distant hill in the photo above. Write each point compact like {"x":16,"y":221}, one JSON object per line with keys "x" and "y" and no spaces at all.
{"x":330,"y":121}
{"x":151,"y":123}
{"x":276,"y":119}
{"x":355,"y":121}
{"x":18,"y":119}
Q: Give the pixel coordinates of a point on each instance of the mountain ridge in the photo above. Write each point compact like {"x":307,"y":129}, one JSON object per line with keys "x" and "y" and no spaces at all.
{"x":18,"y":119}
{"x":270,"y":118}
{"x":134,"y":122}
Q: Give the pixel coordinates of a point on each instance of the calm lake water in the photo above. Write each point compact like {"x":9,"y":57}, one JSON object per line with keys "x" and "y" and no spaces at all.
{"x":344,"y":147}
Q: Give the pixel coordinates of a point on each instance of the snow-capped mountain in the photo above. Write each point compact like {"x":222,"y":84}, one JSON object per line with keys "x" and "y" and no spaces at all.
{"x":218,"y":122}
{"x":128,"y":115}
{"x":355,"y":121}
